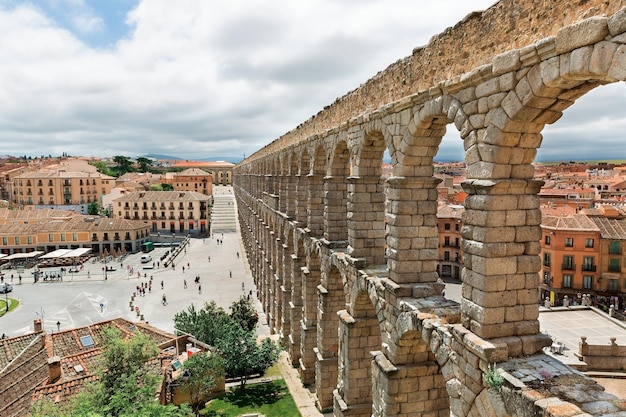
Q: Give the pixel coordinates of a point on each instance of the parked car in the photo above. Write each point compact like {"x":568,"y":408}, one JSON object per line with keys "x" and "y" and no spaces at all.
{"x":145,"y":259}
{"x":5,"y":288}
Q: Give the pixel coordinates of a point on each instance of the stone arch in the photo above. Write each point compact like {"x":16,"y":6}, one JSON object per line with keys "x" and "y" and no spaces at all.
{"x":366,"y":200}
{"x":302,"y":186}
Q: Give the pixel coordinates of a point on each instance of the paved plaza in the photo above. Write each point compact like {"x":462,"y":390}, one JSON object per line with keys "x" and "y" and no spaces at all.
{"x":86,"y":297}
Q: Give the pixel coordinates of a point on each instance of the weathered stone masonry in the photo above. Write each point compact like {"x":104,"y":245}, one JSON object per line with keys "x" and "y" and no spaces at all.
{"x":345,"y":261}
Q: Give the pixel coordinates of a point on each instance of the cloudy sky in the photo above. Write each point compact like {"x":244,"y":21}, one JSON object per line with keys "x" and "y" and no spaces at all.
{"x":220,"y":79}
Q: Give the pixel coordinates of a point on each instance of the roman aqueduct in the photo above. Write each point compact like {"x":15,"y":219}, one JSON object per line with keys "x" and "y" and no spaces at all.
{"x":345,"y":262}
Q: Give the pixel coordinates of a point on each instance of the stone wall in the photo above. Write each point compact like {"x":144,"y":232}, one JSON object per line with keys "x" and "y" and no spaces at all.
{"x":609,"y":357}
{"x":471,"y":43}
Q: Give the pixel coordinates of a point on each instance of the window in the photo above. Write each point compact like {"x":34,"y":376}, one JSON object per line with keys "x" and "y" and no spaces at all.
{"x":587,"y":282}
{"x":446,"y":226}
{"x":612,"y":286}
{"x":614,"y":265}
{"x":567,"y":281}
{"x":446,"y":256}
{"x":568,"y":263}
{"x":588,"y":263}
{"x":614,"y":248}
{"x":569,"y":242}
{"x":30,"y":240}
{"x":456,"y":227}
{"x":50,"y":237}
{"x":546,"y":277}
{"x":446,"y":241}
{"x":589,"y":243}
{"x":546,"y":259}
{"x":4,"y":241}
{"x":74,"y":237}
{"x":62,"y":237}
{"x":17,"y":240}
{"x":94,"y":237}
{"x":547,"y":240}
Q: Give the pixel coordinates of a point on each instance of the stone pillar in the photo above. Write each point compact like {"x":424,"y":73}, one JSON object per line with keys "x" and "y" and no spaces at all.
{"x":353,"y":396}
{"x":335,"y":209}
{"x":327,"y":348}
{"x":282,"y":193}
{"x":501,"y":233}
{"x":285,"y":297}
{"x":407,"y":390}
{"x":308,"y":334}
{"x":412,"y":235}
{"x":301,"y":197}
{"x":315,"y":208}
{"x":295,"y":310}
{"x":366,"y":219}
{"x":290,"y":195}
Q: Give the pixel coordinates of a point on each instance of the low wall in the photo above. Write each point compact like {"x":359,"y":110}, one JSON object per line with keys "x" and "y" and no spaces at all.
{"x":610,"y":357}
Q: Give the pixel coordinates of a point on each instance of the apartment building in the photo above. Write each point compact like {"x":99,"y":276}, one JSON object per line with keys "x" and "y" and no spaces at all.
{"x":449,"y":225}
{"x":186,"y":212}
{"x":612,"y":274}
{"x":23,"y":231}
{"x":221,"y":171}
{"x":192,"y":179}
{"x":58,"y":188}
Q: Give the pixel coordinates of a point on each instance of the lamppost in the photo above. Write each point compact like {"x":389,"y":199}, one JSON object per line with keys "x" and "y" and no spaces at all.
{"x":6,"y":299}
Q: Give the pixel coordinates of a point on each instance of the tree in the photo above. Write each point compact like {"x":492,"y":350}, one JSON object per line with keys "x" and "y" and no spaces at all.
{"x":244,"y":313}
{"x":156,"y":187}
{"x":93,"y":208}
{"x":244,"y":356}
{"x":144,"y":163}
{"x":103,"y":168}
{"x":204,"y":372}
{"x":167,"y":187}
{"x":205,"y":324}
{"x":238,"y":345}
{"x":123,"y":164}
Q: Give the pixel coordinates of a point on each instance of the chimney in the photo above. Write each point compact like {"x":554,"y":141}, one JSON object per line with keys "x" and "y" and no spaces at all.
{"x":54,"y":369}
{"x":38,"y":326}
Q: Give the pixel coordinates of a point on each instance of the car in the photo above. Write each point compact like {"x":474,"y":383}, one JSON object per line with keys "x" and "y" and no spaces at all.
{"x":5,"y":288}
{"x":145,"y":259}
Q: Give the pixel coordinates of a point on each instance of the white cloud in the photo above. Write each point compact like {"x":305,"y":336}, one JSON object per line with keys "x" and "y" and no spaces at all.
{"x":195,"y":78}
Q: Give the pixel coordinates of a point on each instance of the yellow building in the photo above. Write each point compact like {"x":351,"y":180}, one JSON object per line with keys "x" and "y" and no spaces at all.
{"x":192,"y":179}
{"x":24,"y":231}
{"x":67,"y":189}
{"x":186,"y":212}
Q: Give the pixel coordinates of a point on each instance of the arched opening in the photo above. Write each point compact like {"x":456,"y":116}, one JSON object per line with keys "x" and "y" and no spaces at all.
{"x":366,"y":202}
{"x":315,"y":207}
{"x":311,"y":278}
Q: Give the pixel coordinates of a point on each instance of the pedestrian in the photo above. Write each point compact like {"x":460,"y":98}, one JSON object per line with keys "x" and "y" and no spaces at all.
{"x":164,"y":300}
{"x":230,"y":273}
{"x":188,"y":267}
{"x":88,"y":275}
{"x":199,"y":289}
{"x":209,"y":262}
{"x":183,"y":269}
{"x":242,"y":286}
{"x":185,"y":283}
{"x":237,"y":255}
{"x":150,"y":287}
{"x":161,"y":284}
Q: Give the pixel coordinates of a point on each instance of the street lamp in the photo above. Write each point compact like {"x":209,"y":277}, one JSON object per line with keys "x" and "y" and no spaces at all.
{"x":6,"y":299}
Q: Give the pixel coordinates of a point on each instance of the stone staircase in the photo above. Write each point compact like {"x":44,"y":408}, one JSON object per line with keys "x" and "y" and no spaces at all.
{"x":223,"y":214}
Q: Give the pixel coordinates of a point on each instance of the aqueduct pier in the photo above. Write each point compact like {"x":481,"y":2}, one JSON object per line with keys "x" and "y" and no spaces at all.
{"x":345,"y":261}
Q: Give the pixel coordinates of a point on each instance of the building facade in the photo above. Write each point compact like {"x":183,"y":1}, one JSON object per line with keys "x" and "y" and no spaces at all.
{"x":192,"y":179}
{"x":63,"y":189}
{"x":23,"y":231}
{"x":185,"y":212}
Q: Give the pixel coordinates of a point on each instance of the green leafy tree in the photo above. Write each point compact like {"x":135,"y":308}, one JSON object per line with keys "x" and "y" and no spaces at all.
{"x":244,"y":313}
{"x":144,"y":163}
{"x":93,"y":208}
{"x":103,"y":168}
{"x":244,"y":356}
{"x":124,"y":164}
{"x":156,"y":187}
{"x":205,"y":324}
{"x":167,"y":187}
{"x":204,"y":372}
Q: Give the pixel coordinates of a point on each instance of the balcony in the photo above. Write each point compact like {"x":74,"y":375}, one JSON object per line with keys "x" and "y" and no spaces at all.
{"x":568,"y":267}
{"x":589,"y":268}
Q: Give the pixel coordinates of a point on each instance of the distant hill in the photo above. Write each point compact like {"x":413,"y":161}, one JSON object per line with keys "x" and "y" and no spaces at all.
{"x":231,"y":159}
